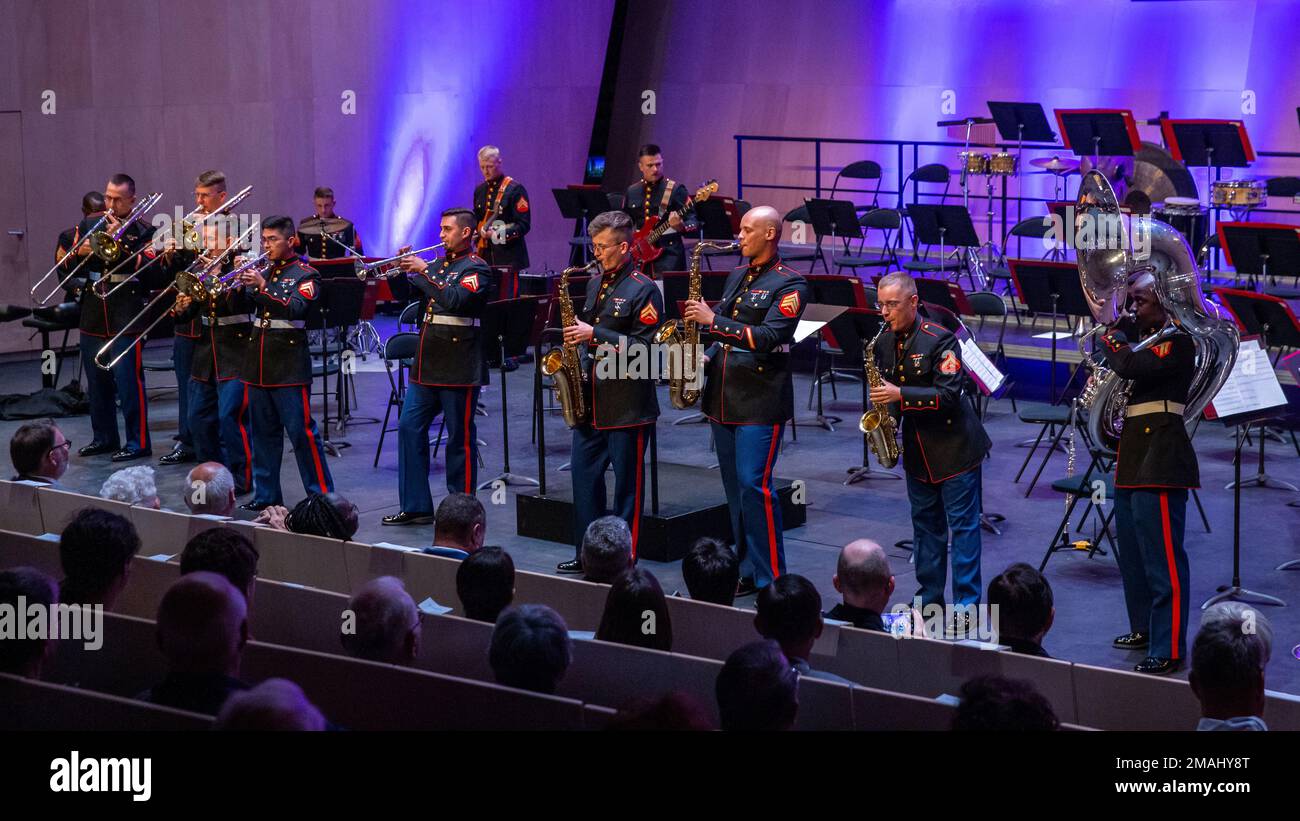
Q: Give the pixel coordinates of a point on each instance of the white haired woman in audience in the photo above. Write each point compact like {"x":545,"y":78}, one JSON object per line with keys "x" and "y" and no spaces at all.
{"x":133,"y":485}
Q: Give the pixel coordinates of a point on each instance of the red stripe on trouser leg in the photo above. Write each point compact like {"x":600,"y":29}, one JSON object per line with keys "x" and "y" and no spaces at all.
{"x":767,"y":501}
{"x":1168,"y":533}
{"x":469,"y":414}
{"x":315,"y":451}
{"x":243,"y":435}
{"x":640,"y":476}
{"x":139,"y":383}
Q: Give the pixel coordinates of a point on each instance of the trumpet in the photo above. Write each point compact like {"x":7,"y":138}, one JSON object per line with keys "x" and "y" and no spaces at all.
{"x":370,"y":270}
{"x":71,"y":252}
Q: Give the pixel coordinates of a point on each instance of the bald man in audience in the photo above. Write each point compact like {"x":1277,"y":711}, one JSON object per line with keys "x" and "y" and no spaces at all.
{"x":202,"y":630}
{"x":385,"y":624}
{"x":210,"y":490}
{"x":863,"y":579}
{"x":275,"y":704}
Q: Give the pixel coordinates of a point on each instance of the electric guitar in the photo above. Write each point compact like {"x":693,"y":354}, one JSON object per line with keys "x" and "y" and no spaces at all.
{"x":643,"y":242}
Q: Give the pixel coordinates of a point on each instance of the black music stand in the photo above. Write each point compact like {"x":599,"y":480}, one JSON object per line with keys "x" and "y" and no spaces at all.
{"x":1264,"y":315}
{"x":834,"y":218}
{"x":819,"y":314}
{"x":1098,"y":132}
{"x":337,"y":308}
{"x":1050,"y":288}
{"x":854,"y":328}
{"x":580,"y":204}
{"x":1261,"y":249}
{"x":1016,"y":123}
{"x":508,"y":322}
{"x":715,"y":225}
{"x":943,"y":225}
{"x":943,"y":293}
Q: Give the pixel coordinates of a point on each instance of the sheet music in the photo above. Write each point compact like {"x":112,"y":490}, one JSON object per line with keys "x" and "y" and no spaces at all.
{"x":806,"y":328}
{"x":1054,"y":334}
{"x":980,"y":366}
{"x":1252,"y":385}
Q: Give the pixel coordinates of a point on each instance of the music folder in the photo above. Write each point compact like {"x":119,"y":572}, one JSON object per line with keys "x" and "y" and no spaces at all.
{"x":1251,"y":388}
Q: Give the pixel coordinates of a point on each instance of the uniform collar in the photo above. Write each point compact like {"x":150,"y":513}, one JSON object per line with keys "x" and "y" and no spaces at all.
{"x":610,"y":276}
{"x":759,"y":270}
{"x":452,"y":256}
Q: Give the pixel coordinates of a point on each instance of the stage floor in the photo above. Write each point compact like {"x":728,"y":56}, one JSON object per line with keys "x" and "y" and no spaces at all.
{"x":1089,"y":601}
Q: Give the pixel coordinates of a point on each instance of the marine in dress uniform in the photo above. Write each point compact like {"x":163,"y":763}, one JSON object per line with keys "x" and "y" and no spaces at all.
{"x":316,"y":244}
{"x":656,"y":195}
{"x":749,"y":391}
{"x":1156,"y":467}
{"x":618,"y":318}
{"x":218,"y":397}
{"x":944,"y":444}
{"x":102,"y":318}
{"x":448,"y":371}
{"x":502,"y":213}
{"x":277,"y":367}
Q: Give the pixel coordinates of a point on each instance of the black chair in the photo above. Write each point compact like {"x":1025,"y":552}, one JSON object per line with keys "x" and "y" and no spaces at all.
{"x":985,"y":304}
{"x":399,"y":351}
{"x":1033,"y":228}
{"x":1054,"y":421}
{"x":886,"y":220}
{"x":65,"y":317}
{"x":932,"y":174}
{"x":860,"y":170}
{"x":1283,"y":186}
{"x":792,"y":252}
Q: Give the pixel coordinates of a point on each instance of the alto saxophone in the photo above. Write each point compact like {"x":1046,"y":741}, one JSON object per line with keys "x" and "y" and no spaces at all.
{"x":562,"y":364}
{"x":876,"y":423}
{"x":683,"y":336}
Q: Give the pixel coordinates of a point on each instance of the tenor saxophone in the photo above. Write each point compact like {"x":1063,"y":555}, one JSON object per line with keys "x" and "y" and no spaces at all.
{"x":682,"y":337}
{"x":562,"y":363}
{"x":876,"y":423}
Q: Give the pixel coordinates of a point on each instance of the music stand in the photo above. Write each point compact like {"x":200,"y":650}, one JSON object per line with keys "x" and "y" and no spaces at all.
{"x":714,"y":222}
{"x":943,"y":225}
{"x":1264,"y":315}
{"x":944,"y":293}
{"x":1049,"y":288}
{"x":1254,"y":248}
{"x":508,"y":322}
{"x":581,"y":204}
{"x":812,"y":320}
{"x":1098,"y":132}
{"x":337,"y":308}
{"x":1016,"y":123}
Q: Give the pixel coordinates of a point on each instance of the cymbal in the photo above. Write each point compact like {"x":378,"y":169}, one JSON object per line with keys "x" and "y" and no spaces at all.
{"x":1056,"y":165}
{"x":317,"y":226}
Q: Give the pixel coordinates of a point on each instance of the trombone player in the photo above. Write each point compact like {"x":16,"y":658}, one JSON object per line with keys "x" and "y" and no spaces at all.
{"x":102,"y":319}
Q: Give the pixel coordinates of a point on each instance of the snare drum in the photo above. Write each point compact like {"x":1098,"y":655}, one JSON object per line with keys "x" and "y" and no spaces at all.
{"x":1189,"y":217}
{"x":975,"y":162}
{"x":1004,"y":164}
{"x":1239,"y":193}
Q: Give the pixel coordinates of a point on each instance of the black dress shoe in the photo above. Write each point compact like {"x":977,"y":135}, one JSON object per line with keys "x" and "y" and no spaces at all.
{"x":180,"y":455}
{"x":255,"y":507}
{"x":573,"y":566}
{"x":404,"y":518}
{"x":746,"y":588}
{"x":95,"y":449}
{"x":1131,"y":641}
{"x":1156,"y":666}
{"x":128,"y":454}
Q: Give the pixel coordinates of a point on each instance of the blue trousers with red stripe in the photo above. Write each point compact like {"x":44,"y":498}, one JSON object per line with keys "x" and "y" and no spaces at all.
{"x":183,"y":361}
{"x":420,"y":406}
{"x":747,"y":457}
{"x":275,"y":412}
{"x":219,"y":426}
{"x":125,"y":384}
{"x":595,"y":450}
{"x":1149,"y":525}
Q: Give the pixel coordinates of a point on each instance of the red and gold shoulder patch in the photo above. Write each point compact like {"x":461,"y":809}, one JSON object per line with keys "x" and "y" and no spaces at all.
{"x":308,"y":288}
{"x":1162,"y":350}
{"x":789,"y":304}
{"x":522,"y":205}
{"x":950,"y":364}
{"x":648,"y":315}
{"x":471,"y":282}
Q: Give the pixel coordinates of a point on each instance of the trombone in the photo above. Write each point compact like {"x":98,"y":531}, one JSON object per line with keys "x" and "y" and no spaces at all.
{"x":71,"y":251}
{"x":368,"y":270}
{"x":192,"y":221}
{"x":103,"y":245}
{"x":134,"y":274}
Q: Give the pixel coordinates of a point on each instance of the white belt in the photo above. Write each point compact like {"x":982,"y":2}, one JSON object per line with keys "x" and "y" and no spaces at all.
{"x":118,"y":277}
{"x":1158,"y":406}
{"x":443,"y":319}
{"x":224,"y":320}
{"x":281,"y":324}
{"x":779,"y":349}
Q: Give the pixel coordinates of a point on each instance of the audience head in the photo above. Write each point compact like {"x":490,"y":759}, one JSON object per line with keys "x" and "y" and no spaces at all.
{"x":460,"y":521}
{"x":606,"y":549}
{"x":1229,"y":655}
{"x":95,"y":550}
{"x":386,"y":623}
{"x":711,"y":571}
{"x":202,"y":625}
{"x":790,"y":613}
{"x":226,"y":551}
{"x":323,"y":514}
{"x":636,"y":612}
{"x":758,"y":689}
{"x":674,"y":711}
{"x":530,"y":648}
{"x":485,"y":583}
{"x":1003,"y":704}
{"x":1023,"y":597}
{"x":275,"y":704}
{"x":210,"y":489}
{"x":20,"y":589}
{"x":862,"y":575}
{"x":39,"y":450}
{"x":133,"y":485}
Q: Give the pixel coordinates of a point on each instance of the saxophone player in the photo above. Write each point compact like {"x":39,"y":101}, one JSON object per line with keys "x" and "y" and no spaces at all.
{"x":749,"y":392}
{"x":622,"y":310}
{"x":449,"y":369}
{"x":944,"y":445}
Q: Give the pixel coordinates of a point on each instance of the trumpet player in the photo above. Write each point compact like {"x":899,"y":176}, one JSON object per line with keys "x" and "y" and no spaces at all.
{"x":944,"y":445}
{"x":102,"y":319}
{"x":217,"y":395}
{"x":449,"y":368}
{"x":277,"y":365}
{"x":749,"y":392}
{"x":622,"y":310}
